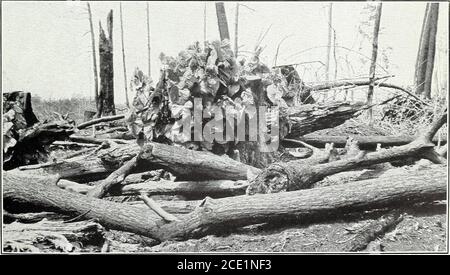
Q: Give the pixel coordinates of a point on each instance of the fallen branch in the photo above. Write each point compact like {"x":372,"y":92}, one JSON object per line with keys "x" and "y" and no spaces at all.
{"x":157,"y":209}
{"x":106,"y":119}
{"x":113,"y":179}
{"x":365,"y":142}
{"x":375,"y":229}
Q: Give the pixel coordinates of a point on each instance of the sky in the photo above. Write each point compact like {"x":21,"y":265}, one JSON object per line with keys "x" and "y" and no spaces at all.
{"x":46,"y":46}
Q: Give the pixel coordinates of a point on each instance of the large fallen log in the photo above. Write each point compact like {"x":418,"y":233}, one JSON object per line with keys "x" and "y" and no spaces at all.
{"x":365,"y":142}
{"x":183,"y":163}
{"x":308,"y":118}
{"x":47,"y":236}
{"x":215,"y":214}
{"x":375,"y":229}
{"x":294,"y":175}
{"x":191,"y":189}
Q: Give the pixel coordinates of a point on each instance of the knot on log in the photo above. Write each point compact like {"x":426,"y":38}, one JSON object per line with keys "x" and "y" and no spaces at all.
{"x":274,"y":179}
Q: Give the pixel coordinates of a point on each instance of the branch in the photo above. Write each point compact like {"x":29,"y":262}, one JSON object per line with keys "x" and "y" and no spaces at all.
{"x":115,"y":178}
{"x":158,"y":210}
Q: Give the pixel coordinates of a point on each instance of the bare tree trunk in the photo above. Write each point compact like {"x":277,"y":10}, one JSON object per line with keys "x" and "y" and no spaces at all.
{"x":123,"y":59}
{"x":94,"y":57}
{"x":422,"y":53}
{"x":148,"y":42}
{"x":434,"y":14}
{"x":373,"y":64}
{"x":236,"y":28}
{"x":222,"y":21}
{"x":330,"y":30}
{"x":106,"y":98}
{"x":204,"y":24}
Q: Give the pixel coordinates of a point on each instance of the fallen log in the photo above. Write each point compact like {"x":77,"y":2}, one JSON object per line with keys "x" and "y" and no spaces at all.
{"x":191,"y":189}
{"x":365,"y":142}
{"x":50,"y":236}
{"x":294,"y":175}
{"x":215,"y":214}
{"x":183,"y":163}
{"x":83,"y":139}
{"x":31,"y":217}
{"x":308,"y":118}
{"x":375,"y":229}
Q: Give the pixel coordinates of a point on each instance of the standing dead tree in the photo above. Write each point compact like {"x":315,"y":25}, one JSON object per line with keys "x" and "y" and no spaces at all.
{"x":222,"y":21}
{"x":373,"y":64}
{"x":123,"y":58}
{"x":106,"y":97}
{"x":330,"y":32}
{"x":425,"y":54}
{"x":148,"y":41}
{"x":236,"y":29}
{"x":94,"y":56}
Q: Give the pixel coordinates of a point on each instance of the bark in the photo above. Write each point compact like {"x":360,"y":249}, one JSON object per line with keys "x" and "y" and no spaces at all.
{"x":294,"y":175}
{"x":373,"y":64}
{"x":330,"y":202}
{"x":365,"y":142}
{"x":222,"y":21}
{"x":94,"y":55}
{"x":106,"y":96}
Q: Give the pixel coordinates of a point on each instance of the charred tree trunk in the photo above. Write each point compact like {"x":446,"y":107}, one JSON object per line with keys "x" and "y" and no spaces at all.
{"x":222,"y":21}
{"x":106,"y":98}
{"x":236,"y":30}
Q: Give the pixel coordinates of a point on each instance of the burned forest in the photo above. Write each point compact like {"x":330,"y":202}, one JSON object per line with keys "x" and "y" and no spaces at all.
{"x":223,"y":146}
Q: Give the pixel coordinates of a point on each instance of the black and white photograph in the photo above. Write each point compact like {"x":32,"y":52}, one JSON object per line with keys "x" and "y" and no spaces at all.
{"x":234,"y":127}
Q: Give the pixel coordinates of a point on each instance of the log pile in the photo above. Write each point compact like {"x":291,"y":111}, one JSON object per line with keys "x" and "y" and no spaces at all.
{"x":167,"y":187}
